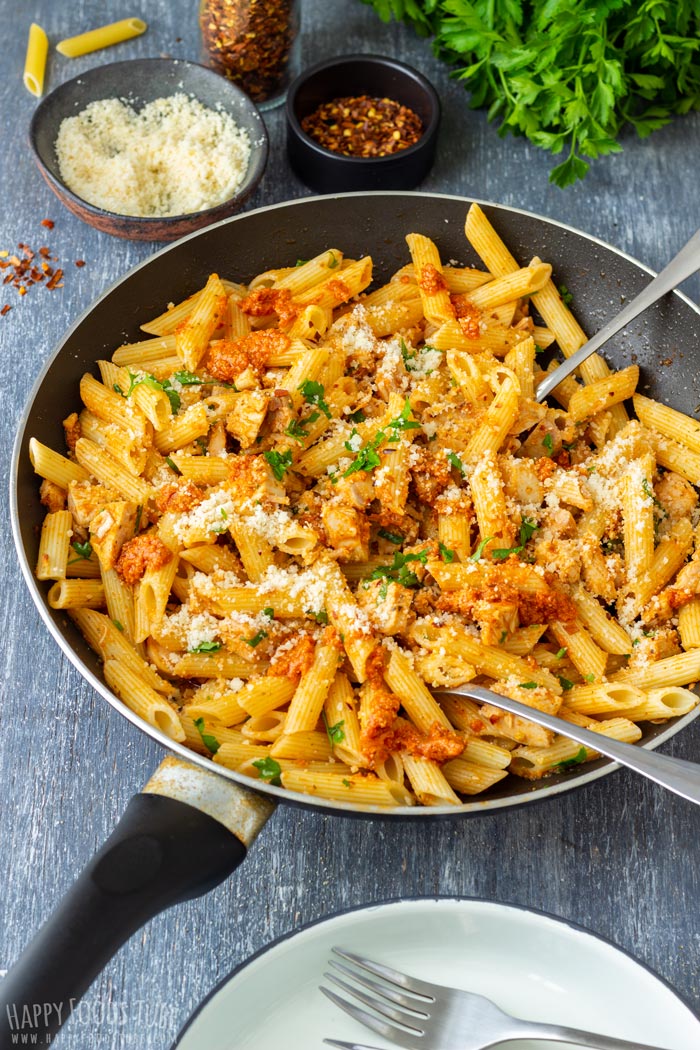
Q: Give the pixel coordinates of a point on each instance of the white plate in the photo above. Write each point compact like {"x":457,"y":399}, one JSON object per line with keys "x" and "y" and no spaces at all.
{"x":532,"y":965}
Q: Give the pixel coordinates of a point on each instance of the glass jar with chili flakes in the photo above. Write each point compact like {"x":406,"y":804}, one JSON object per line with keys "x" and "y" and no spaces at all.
{"x":254,"y":43}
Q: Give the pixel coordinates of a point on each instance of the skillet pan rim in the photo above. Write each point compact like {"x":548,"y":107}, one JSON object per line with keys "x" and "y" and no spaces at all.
{"x":476,"y":807}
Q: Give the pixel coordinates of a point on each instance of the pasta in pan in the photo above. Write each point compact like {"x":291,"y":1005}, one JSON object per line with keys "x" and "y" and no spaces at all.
{"x":300,"y":506}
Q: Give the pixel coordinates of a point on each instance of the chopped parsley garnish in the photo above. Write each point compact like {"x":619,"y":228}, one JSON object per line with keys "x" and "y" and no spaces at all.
{"x":332,"y":261}
{"x":336,"y":733}
{"x":280,"y":462}
{"x":320,"y":617}
{"x":269,"y":770}
{"x":447,"y":554}
{"x":218,"y":529}
{"x":480,"y":549}
{"x":528,"y":685}
{"x":406,"y":354}
{"x":367,"y":457}
{"x":504,"y":635}
{"x":565,"y":684}
{"x":314,"y":394}
{"x":403,"y":422}
{"x":296,"y":429}
{"x":206,"y":647}
{"x":356,"y":417}
{"x":148,"y":380}
{"x":589,"y":677}
{"x":185,"y":378}
{"x":454,"y":461}
{"x":398,"y":571}
{"x":567,"y":763}
{"x":347,"y":783}
{"x":392,"y":537}
{"x":209,"y":741}
{"x":118,"y":625}
{"x":173,"y":466}
{"x":561,"y":654}
{"x":269,"y":612}
{"x":202,"y":444}
{"x":256,"y":639}
{"x":566,"y":296}
{"x":527,"y":530}
{"x":137,"y":523}
{"x":83,"y":550}
{"x":548,"y":443}
{"x":648,"y":491}
{"x":301,"y":262}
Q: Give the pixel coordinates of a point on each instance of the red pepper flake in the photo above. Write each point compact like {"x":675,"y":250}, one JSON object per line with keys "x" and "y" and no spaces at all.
{"x":80,"y":263}
{"x":362,"y":126}
{"x":23,"y":271}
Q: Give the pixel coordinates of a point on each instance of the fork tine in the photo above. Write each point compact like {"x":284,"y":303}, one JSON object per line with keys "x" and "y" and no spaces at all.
{"x":389,"y":1013}
{"x":409,"y":984}
{"x":410,"y":1002}
{"x":389,"y":1031}
{"x":348,"y":1046}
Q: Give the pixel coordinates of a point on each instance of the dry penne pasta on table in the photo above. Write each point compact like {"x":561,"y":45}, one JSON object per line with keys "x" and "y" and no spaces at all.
{"x":302,"y":506}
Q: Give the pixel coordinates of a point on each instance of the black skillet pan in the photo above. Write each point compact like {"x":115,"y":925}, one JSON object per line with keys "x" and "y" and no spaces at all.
{"x":190,"y":828}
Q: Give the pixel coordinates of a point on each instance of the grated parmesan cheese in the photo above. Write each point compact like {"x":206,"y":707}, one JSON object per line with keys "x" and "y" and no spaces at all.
{"x":173,"y":157}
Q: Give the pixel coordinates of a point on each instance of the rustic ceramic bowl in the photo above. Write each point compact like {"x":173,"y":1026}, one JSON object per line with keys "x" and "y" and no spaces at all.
{"x":374,"y":75}
{"x":137,"y":82}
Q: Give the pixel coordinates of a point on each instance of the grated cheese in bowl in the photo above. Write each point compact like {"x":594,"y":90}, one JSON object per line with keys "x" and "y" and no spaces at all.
{"x":173,"y":157}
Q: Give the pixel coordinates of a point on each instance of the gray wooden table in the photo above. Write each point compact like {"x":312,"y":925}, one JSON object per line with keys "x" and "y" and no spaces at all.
{"x":619,"y":857}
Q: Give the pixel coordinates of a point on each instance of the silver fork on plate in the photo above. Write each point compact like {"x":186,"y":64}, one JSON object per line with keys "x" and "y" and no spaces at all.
{"x":419,"y":1015}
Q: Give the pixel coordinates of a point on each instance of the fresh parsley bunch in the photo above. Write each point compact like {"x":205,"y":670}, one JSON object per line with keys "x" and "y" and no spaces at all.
{"x":568,"y":74}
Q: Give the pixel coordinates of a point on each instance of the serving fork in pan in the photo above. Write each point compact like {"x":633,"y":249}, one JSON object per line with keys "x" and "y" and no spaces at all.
{"x":419,"y":1015}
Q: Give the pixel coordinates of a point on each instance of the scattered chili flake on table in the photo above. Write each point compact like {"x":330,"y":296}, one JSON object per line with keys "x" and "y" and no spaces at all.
{"x":22,"y":269}
{"x":362,"y":126}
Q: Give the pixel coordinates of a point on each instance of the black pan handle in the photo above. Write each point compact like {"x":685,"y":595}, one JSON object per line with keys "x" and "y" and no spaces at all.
{"x":179,"y":839}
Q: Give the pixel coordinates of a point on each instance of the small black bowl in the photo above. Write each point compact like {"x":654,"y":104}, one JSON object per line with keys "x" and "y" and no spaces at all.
{"x":137,"y":82}
{"x":373,"y":75}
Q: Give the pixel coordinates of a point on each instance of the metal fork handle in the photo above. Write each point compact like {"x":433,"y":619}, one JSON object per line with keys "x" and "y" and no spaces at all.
{"x":679,"y":776}
{"x":557,"y":1034}
{"x":682,"y":266}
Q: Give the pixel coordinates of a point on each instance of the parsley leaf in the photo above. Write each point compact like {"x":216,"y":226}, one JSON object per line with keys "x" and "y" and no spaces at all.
{"x":185,"y":378}
{"x":118,"y":625}
{"x":301,"y":262}
{"x":83,"y":550}
{"x":269,"y":770}
{"x":402,"y":422}
{"x":209,"y":741}
{"x":269,"y":612}
{"x":548,"y":443}
{"x":392,"y":537}
{"x":561,"y":654}
{"x":206,"y":647}
{"x":476,"y":556}
{"x":173,"y":466}
{"x":398,"y":570}
{"x":320,"y":617}
{"x":567,"y":763}
{"x":367,"y":457}
{"x":565,"y":684}
{"x":347,"y":783}
{"x":148,"y":380}
{"x":256,"y":639}
{"x":447,"y":554}
{"x":528,"y":685}
{"x":566,"y":296}
{"x":296,"y":429}
{"x":454,"y":461}
{"x":332,"y":261}
{"x":356,"y":417}
{"x":336,"y":733}
{"x":279,"y":461}
{"x":314,"y":394}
